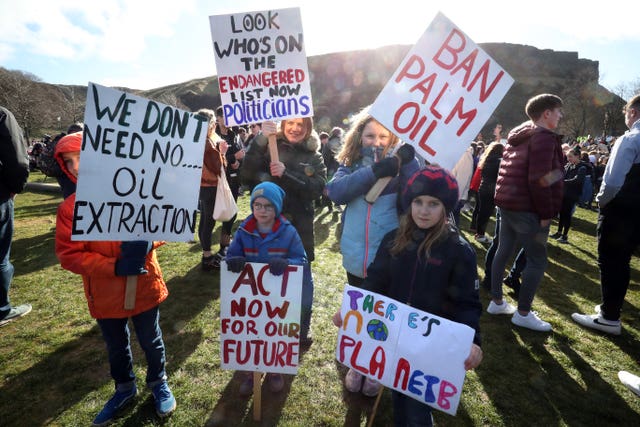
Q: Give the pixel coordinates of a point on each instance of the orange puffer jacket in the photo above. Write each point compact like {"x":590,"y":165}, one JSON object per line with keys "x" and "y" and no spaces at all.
{"x":95,"y":261}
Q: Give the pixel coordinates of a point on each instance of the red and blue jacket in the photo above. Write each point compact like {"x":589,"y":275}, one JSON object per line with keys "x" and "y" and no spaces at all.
{"x":283,"y":241}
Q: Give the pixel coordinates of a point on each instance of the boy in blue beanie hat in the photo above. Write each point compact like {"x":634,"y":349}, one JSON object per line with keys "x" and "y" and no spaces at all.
{"x":266,"y":236}
{"x":270,"y":191}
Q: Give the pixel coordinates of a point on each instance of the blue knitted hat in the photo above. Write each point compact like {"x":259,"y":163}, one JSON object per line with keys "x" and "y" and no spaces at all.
{"x":271,"y":192}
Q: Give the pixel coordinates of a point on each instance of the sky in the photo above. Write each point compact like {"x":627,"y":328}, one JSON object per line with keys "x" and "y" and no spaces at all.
{"x":145,"y":44}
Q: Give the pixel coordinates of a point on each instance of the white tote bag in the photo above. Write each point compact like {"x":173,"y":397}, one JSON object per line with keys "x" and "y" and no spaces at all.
{"x":225,"y":207}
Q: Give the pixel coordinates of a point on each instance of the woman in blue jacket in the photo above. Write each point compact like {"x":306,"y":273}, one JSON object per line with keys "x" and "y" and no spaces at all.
{"x":366,"y":156}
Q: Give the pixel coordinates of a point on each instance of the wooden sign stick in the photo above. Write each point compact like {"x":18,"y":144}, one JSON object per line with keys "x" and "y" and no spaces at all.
{"x":257,"y":396}
{"x":130,"y":292}
{"x":375,"y":191}
{"x":375,"y":407}
{"x":273,"y":148}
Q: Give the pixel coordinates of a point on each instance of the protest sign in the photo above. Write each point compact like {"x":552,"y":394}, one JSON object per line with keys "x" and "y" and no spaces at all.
{"x":262,"y":66}
{"x":140,"y":168}
{"x":408,"y":350}
{"x":442,"y":93}
{"x":260,"y":319}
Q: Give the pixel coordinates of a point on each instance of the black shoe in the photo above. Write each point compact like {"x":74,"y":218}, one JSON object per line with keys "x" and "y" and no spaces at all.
{"x":211,"y":262}
{"x":555,"y":235}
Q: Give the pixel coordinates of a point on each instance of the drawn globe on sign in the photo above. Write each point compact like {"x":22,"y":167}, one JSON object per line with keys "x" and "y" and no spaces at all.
{"x":377,"y":330}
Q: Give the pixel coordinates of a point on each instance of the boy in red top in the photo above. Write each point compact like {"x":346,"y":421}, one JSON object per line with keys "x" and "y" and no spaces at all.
{"x":529,"y":195}
{"x":104,"y":267}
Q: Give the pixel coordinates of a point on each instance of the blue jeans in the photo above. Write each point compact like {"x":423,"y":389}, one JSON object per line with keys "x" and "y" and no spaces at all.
{"x":518,"y":263}
{"x":409,"y":412}
{"x":116,"y":335}
{"x":521,"y":229}
{"x":6,"y":268}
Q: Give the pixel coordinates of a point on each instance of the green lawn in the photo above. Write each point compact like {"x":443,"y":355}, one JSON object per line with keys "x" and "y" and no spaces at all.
{"x":54,"y":370}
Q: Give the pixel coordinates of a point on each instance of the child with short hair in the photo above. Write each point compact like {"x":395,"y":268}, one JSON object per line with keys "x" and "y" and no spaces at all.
{"x":266,"y":236}
{"x":425,"y":263}
{"x":104,"y":267}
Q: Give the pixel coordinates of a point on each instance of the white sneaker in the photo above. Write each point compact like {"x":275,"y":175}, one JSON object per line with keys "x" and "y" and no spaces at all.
{"x":483,"y":239}
{"x":530,"y":321}
{"x":504,"y":308}
{"x":632,"y":382}
{"x":596,"y":321}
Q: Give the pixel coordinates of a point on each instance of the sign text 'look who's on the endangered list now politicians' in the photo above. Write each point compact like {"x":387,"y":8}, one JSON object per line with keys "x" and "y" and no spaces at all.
{"x":140,"y":169}
{"x":262,"y":66}
{"x":408,"y":350}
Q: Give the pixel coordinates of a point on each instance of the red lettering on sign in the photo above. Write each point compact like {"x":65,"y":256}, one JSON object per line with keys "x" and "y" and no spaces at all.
{"x":467,"y":65}
{"x":453,"y":51}
{"x":403,"y":369}
{"x":247,"y":277}
{"x":483,"y":73}
{"x":467,"y":116}
{"x":260,"y":352}
{"x":407,"y":70}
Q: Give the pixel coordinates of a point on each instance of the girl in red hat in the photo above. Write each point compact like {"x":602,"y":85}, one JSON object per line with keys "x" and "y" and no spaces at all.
{"x":425,"y":263}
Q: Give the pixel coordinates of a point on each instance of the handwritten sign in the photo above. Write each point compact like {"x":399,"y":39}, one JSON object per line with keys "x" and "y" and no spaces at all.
{"x":260,"y":319}
{"x":262,"y":66}
{"x":140,"y":168}
{"x":442,"y":93}
{"x":408,"y":350}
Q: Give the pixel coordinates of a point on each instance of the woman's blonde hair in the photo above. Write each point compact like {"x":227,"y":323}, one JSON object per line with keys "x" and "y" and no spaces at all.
{"x":408,"y":230}
{"x":350,"y":152}
{"x":494,"y":149}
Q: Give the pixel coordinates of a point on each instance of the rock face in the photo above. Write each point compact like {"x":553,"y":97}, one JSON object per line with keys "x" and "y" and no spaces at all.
{"x":343,"y":82}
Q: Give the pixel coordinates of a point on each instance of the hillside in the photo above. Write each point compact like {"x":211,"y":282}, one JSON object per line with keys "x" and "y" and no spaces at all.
{"x":343,"y":82}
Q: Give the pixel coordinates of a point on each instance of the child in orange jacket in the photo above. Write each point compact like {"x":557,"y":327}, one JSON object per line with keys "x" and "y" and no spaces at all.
{"x":104,"y":267}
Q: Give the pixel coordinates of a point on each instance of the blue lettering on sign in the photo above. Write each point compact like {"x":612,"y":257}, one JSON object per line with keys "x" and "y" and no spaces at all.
{"x":267,"y":109}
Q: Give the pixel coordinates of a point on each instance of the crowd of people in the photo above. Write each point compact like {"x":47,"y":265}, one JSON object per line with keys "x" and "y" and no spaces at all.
{"x":399,"y":222}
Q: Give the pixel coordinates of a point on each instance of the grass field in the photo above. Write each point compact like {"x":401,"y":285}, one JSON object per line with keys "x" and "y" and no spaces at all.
{"x":53,"y":367}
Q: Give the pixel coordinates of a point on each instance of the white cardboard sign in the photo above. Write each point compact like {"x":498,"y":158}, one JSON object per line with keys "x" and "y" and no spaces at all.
{"x":262,"y":66}
{"x":260,"y":319}
{"x":140,"y":169}
{"x":408,"y":350}
{"x":442,"y":93}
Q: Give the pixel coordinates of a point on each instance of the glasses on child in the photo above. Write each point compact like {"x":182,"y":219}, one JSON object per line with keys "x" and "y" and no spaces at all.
{"x":259,"y":206}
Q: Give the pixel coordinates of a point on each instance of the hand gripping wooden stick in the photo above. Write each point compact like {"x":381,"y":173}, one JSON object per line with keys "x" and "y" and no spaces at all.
{"x":375,"y":191}
{"x":130,"y":292}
